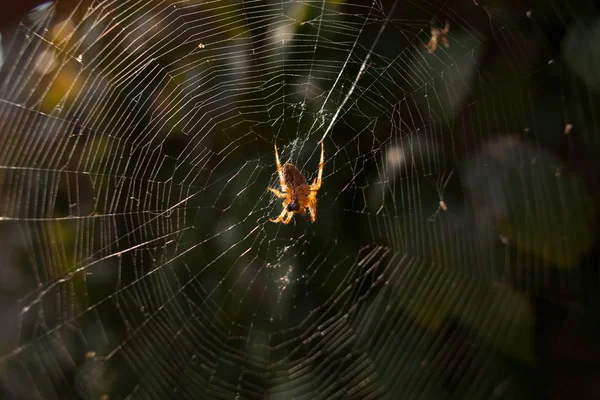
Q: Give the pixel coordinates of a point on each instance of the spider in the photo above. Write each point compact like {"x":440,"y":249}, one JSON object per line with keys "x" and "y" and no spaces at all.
{"x":440,"y":187}
{"x":438,"y":34}
{"x":298,"y":195}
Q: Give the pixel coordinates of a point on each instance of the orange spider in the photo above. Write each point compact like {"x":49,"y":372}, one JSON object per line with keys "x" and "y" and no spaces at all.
{"x":298,"y":195}
{"x":436,"y":35}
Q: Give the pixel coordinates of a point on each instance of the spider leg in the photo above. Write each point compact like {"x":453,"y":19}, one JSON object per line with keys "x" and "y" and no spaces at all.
{"x":316,"y":185}
{"x":277,"y":193}
{"x":289,"y":218}
{"x":445,"y":41}
{"x":281,"y":216}
{"x":280,"y":172}
{"x":312,"y":210}
{"x":311,"y":204}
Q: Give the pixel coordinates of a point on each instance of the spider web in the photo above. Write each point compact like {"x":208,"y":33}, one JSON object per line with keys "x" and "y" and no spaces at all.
{"x":137,"y":146}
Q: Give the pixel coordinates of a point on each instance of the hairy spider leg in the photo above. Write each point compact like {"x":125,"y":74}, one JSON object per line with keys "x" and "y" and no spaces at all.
{"x":444,"y":34}
{"x":312,"y":209}
{"x":281,"y":216}
{"x":289,"y":218}
{"x":281,"y":180}
{"x":277,"y":193}
{"x":316,"y":185}
{"x":279,"y":171}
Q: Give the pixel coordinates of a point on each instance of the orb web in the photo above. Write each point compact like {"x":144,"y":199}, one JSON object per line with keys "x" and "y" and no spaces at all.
{"x":137,"y":146}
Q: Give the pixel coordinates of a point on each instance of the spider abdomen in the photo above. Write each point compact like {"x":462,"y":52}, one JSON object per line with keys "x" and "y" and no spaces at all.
{"x":292,"y":176}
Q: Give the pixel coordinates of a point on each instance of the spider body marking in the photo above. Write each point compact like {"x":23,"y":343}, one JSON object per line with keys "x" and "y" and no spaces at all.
{"x":298,"y":196}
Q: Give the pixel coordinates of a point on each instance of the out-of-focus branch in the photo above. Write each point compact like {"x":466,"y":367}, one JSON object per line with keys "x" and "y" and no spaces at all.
{"x":14,"y":11}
